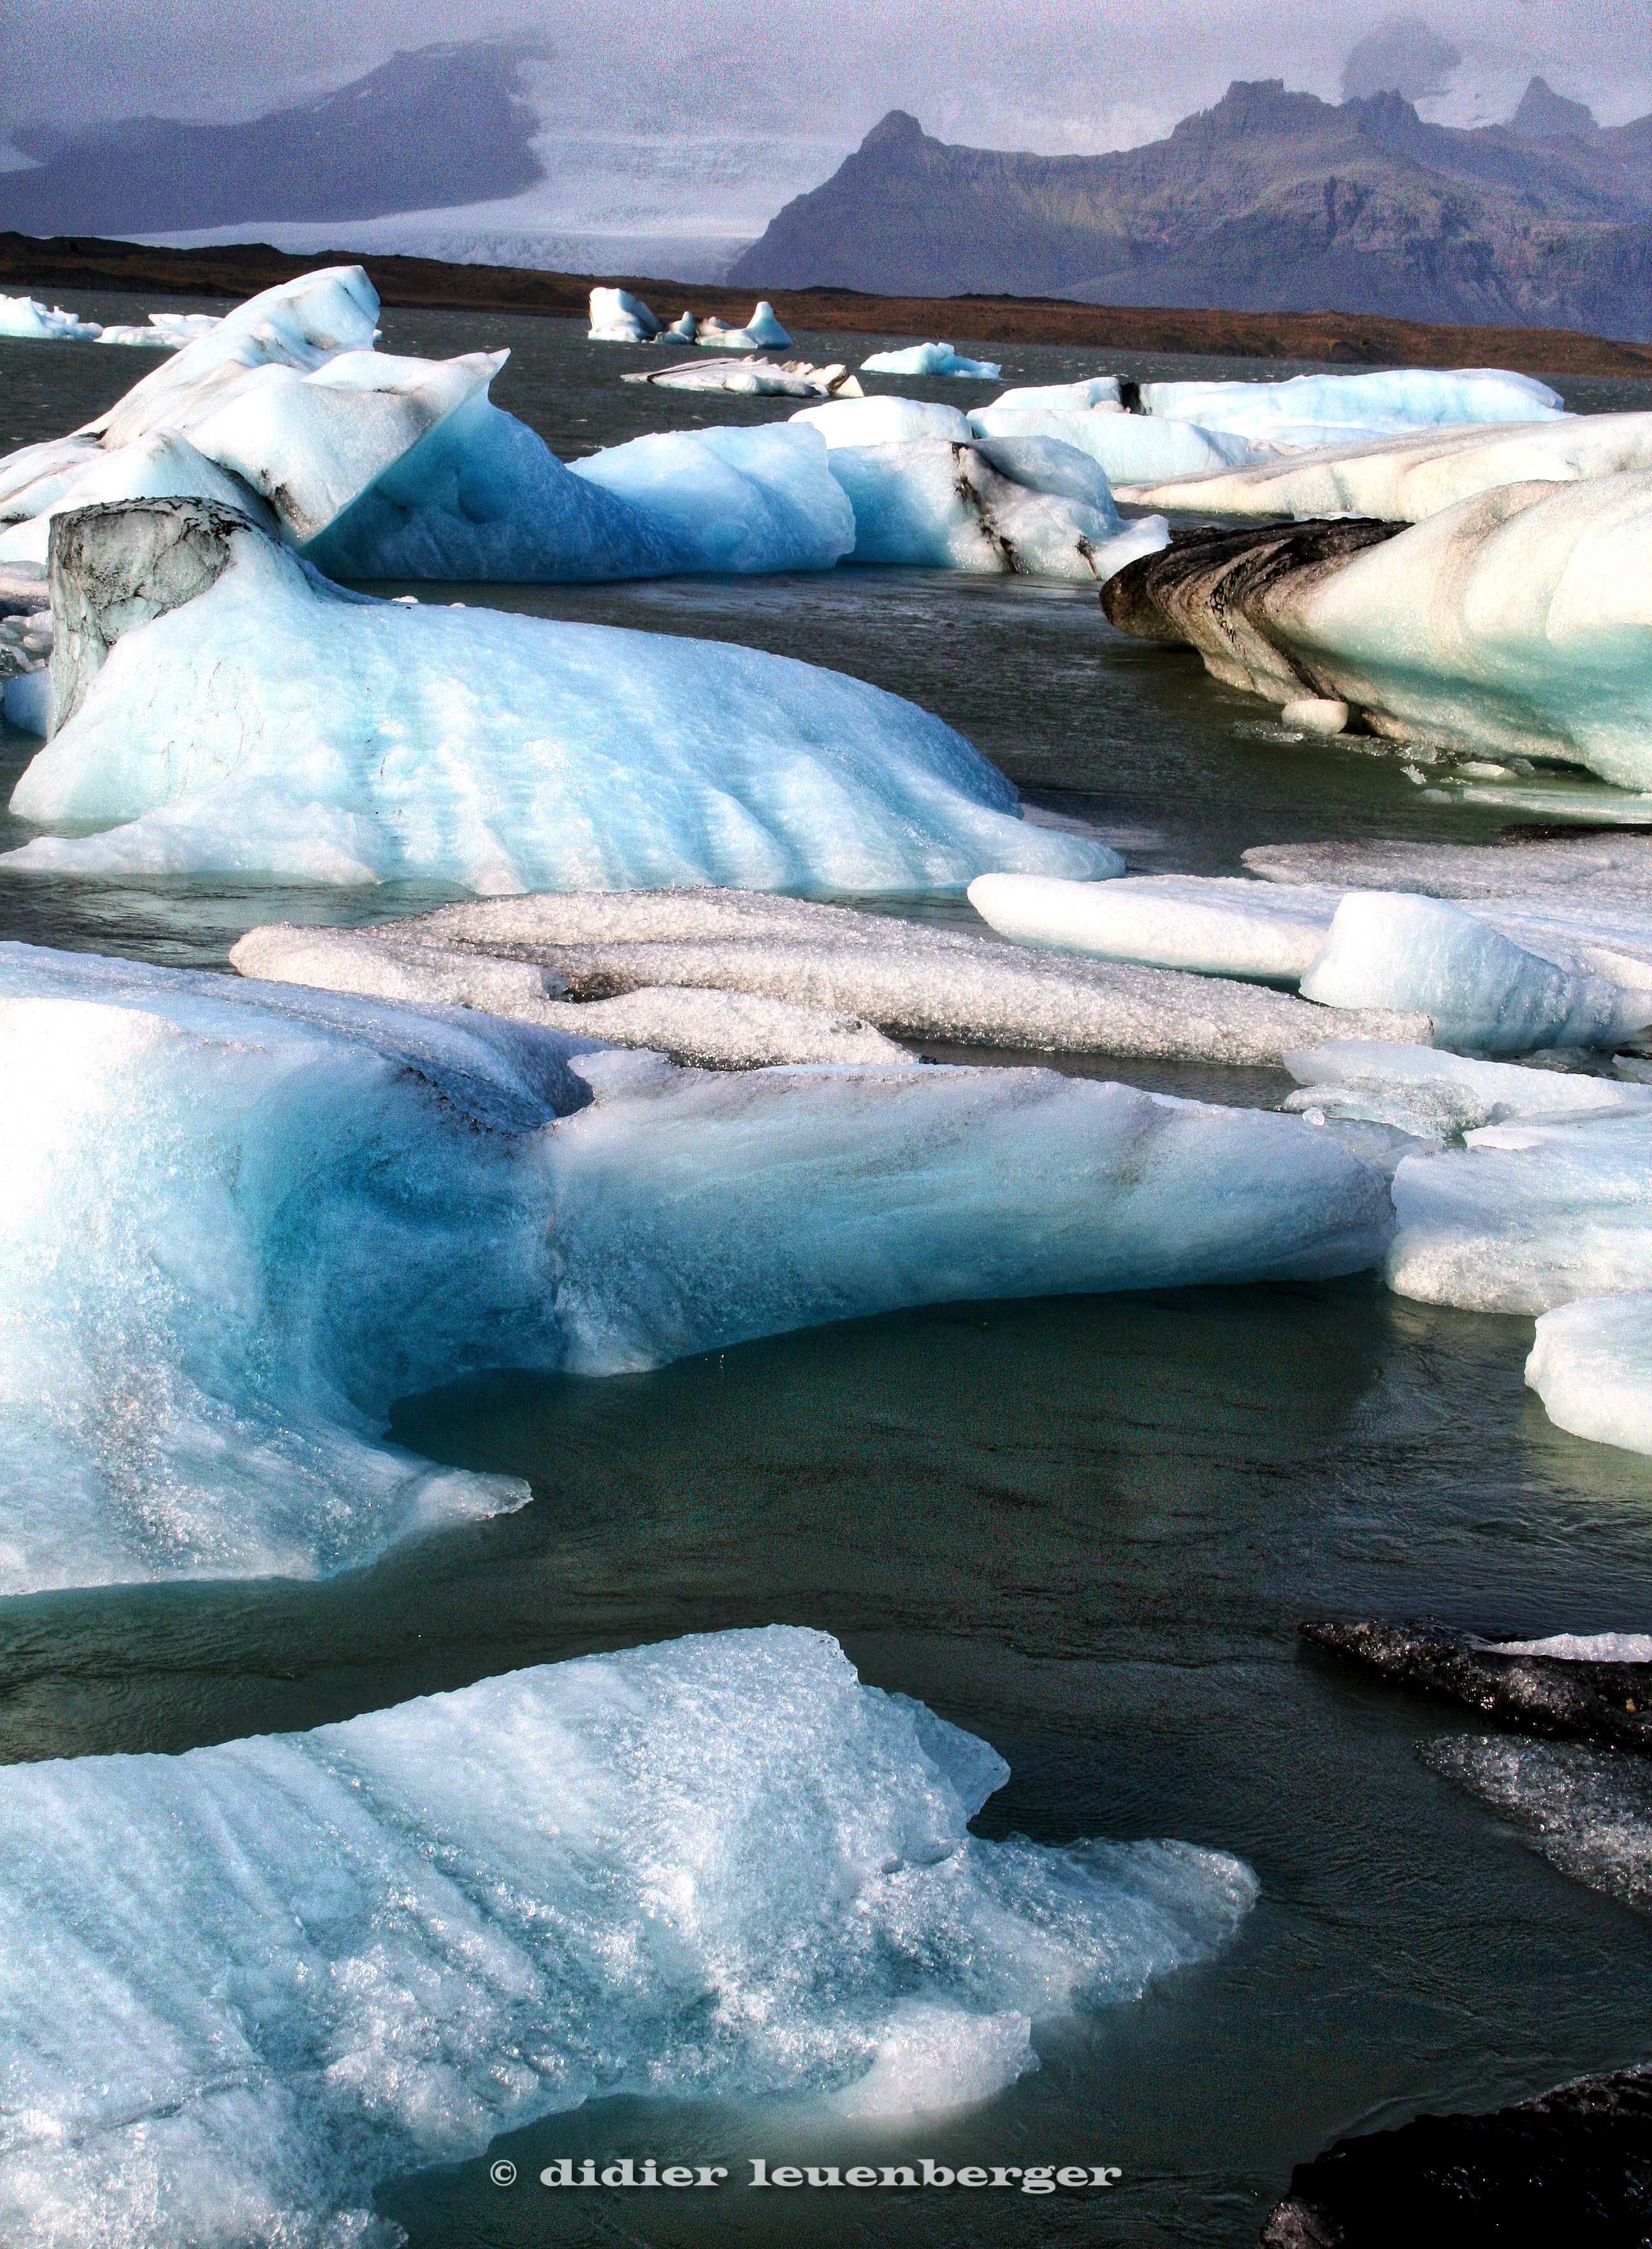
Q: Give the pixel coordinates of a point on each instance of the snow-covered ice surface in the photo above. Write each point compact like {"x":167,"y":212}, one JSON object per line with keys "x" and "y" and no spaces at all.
{"x":723,"y":1030}
{"x":1134,"y":449}
{"x":930,"y":359}
{"x":1407,"y":478}
{"x":917,"y":980}
{"x":1480,"y":989}
{"x":25,"y":318}
{"x":242,"y":1218}
{"x":1027,"y":505}
{"x":1591,"y":1365}
{"x":276,"y":727}
{"x":247,"y":1984}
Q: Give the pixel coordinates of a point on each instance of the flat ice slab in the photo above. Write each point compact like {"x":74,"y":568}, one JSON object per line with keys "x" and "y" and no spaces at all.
{"x":246,"y":1986}
{"x":1591,"y":1365}
{"x":931,"y":359}
{"x":478,"y":1192}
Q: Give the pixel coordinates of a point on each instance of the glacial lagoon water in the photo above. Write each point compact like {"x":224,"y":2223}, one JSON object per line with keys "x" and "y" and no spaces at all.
{"x":1085,"y":1529}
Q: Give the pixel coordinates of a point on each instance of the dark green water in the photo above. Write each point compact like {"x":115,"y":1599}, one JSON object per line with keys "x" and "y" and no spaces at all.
{"x":1085,"y":1529}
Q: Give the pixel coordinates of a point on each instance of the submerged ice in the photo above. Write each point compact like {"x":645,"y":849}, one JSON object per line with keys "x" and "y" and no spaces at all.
{"x":244,"y":1218}
{"x":247,"y":1984}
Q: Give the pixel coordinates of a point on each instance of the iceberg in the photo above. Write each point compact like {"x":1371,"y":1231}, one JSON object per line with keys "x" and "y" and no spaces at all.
{"x":159,"y":466}
{"x":1518,"y":622}
{"x":26,"y":318}
{"x":163,"y":331}
{"x":762,"y":331}
{"x":248,"y":1984}
{"x":931,"y":359}
{"x":1094,"y":393}
{"x":1026,"y":506}
{"x":1132,"y":449}
{"x":222,"y":709}
{"x":731,"y":500}
{"x":245,"y":1217}
{"x":752,"y":378}
{"x":1591,"y":1364}
{"x":1479,"y":989}
{"x":884,"y":420}
{"x":1405,"y":478}
{"x":917,"y":980}
{"x":1384,"y":403}
{"x":617,"y":317}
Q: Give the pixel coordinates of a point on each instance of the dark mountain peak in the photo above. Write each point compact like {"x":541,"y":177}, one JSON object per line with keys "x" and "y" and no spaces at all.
{"x":1254,"y":105}
{"x":898,"y":126}
{"x":1543,"y":115}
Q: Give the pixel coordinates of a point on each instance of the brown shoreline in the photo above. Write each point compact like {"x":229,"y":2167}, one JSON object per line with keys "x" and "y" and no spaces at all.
{"x":1347,"y":339}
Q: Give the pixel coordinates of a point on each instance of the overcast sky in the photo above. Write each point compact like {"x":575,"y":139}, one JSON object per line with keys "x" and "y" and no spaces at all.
{"x":1053,"y":74}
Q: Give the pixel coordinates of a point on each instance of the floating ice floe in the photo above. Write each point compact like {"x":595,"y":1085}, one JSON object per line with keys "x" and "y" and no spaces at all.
{"x":220,"y":708}
{"x":1132,"y":449}
{"x":25,"y":318}
{"x":1519,"y":621}
{"x":1407,"y":478}
{"x":1504,"y":978}
{"x":1098,"y":393}
{"x":1431,"y":1095}
{"x":752,"y":378}
{"x":918,"y":981}
{"x":286,"y":1208}
{"x":930,"y":359}
{"x":1383,"y":402}
{"x":162,"y":331}
{"x":1591,"y":1364}
{"x":617,"y":317}
{"x":762,"y":331}
{"x":1581,"y":1647}
{"x":719,"y":1868}
{"x":1024,"y":504}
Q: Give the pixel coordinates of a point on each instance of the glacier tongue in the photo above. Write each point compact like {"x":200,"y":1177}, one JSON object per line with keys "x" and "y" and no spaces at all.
{"x":247,"y":1984}
{"x":244,"y":1218}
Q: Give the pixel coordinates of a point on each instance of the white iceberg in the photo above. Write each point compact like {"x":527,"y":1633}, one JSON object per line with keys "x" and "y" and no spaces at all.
{"x":26,"y":318}
{"x":762,"y":331}
{"x":884,"y":420}
{"x":1385,"y":401}
{"x":275,"y":726}
{"x":918,"y":981}
{"x":1132,"y":449}
{"x":931,"y":359}
{"x":617,"y":317}
{"x":1094,"y":393}
{"x":1024,"y":505}
{"x":163,"y":331}
{"x":244,"y":1218}
{"x":1591,"y":1364}
{"x":1212,"y":925}
{"x":718,"y":1868}
{"x":752,"y":378}
{"x":1407,"y":478}
{"x":1479,"y":989}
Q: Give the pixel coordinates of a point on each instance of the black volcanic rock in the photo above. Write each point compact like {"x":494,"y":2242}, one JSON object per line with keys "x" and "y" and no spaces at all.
{"x":1609,"y":1704}
{"x":1270,"y":200}
{"x":1573,"y":2165}
{"x":441,"y":127}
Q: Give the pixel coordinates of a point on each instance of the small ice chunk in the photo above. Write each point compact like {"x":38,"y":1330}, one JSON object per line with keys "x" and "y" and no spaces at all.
{"x":762,"y":331}
{"x":1591,"y":1364}
{"x":248,"y":1985}
{"x":617,"y":317}
{"x":931,"y":359}
{"x":26,"y":698}
{"x":884,"y":420}
{"x":1316,"y":714}
{"x":1215,"y":926}
{"x":1582,"y":1647}
{"x":1092,"y":394}
{"x":1482,"y":991}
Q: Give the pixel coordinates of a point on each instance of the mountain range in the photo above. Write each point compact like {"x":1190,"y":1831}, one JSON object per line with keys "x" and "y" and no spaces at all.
{"x":1270,"y":200}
